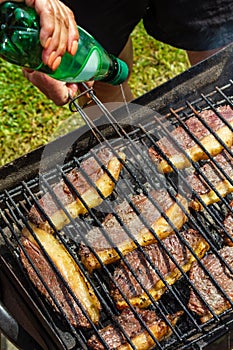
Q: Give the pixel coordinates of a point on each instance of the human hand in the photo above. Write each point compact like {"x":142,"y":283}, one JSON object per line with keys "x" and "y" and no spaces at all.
{"x":58,"y":32}
{"x":57,"y":91}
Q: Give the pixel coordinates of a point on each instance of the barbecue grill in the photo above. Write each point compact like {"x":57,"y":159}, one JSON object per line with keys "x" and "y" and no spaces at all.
{"x":26,"y":316}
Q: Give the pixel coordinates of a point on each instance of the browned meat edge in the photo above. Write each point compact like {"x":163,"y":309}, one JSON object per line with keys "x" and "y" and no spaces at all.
{"x":70,"y":272}
{"x":146,"y":274}
{"x":68,"y":198}
{"x":137,"y":333}
{"x":131,"y":220}
{"x":189,"y":145}
{"x":220,"y":183}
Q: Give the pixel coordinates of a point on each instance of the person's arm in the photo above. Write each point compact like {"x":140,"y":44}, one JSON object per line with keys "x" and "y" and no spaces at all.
{"x":59,"y":33}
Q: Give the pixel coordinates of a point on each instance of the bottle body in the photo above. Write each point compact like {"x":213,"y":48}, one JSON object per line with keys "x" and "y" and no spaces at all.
{"x":89,"y":63}
{"x":20,"y":44}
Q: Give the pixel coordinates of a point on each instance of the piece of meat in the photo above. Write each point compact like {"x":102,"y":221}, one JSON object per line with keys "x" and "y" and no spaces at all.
{"x":138,"y":333}
{"x":74,"y":206}
{"x":215,"y":177}
{"x":117,"y":233}
{"x":69,"y":271}
{"x":228,"y":225}
{"x":209,"y":292}
{"x":151,"y":285}
{"x":188,"y":144}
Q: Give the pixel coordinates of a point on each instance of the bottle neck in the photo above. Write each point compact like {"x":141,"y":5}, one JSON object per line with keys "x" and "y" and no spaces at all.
{"x":113,"y":70}
{"x":118,"y":71}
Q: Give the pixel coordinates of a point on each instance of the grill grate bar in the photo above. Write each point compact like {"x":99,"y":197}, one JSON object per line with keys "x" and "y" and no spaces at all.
{"x":226,"y":98}
{"x":212,"y":105}
{"x":120,"y":131}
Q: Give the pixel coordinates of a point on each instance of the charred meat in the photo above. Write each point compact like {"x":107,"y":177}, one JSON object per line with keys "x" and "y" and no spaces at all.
{"x":213,"y":300}
{"x":144,"y":265}
{"x":89,"y":169}
{"x":137,"y":332}
{"x":187,"y":145}
{"x":116,"y":235}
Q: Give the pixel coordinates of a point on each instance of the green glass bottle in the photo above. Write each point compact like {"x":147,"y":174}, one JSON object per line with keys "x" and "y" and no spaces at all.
{"x":20,"y":45}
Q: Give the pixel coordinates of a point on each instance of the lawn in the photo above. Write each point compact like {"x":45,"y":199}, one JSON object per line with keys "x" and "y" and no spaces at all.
{"x":29,"y":119}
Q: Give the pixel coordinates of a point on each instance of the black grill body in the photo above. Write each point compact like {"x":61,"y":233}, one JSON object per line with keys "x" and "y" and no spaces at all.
{"x":205,"y":86}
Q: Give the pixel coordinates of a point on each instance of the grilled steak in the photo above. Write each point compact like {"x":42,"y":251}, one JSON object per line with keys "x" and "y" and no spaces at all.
{"x":118,"y":234}
{"x":69,"y":199}
{"x":215,"y":177}
{"x":188,"y":144}
{"x":150,"y":282}
{"x":228,"y":224}
{"x":207,"y":289}
{"x":70,"y":272}
{"x":138,"y":333}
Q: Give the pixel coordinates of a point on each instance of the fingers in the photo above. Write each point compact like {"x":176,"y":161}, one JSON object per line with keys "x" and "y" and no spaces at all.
{"x":73,"y":89}
{"x":55,"y":90}
{"x":58,"y":32}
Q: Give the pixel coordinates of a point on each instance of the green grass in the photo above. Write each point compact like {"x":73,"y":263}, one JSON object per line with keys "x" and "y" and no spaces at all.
{"x":154,"y":62}
{"x":29,"y":119}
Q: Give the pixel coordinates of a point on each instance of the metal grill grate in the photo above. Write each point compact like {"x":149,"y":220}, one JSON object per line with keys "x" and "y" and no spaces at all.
{"x":139,"y":176}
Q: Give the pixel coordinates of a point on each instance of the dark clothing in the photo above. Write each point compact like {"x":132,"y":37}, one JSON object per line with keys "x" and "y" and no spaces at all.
{"x":192,"y":25}
{"x":198,"y":25}
{"x":109,"y":21}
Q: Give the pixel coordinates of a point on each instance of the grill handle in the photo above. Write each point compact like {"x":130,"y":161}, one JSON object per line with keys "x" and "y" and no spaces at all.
{"x":14,"y":332}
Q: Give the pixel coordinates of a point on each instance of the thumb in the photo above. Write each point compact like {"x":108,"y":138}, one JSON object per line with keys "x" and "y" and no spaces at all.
{"x":72,"y":89}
